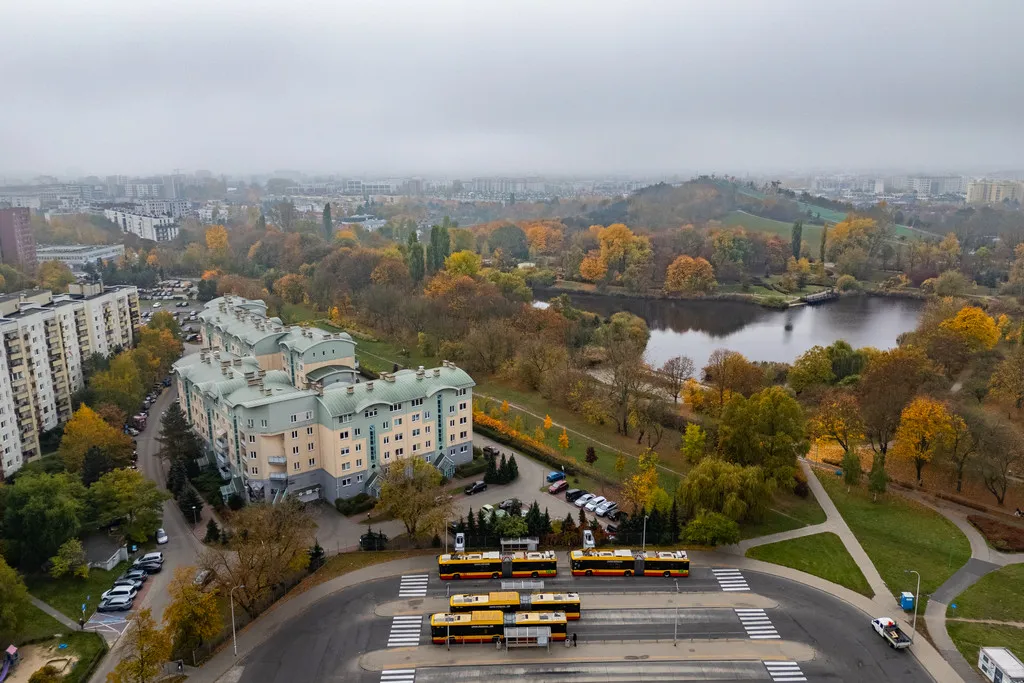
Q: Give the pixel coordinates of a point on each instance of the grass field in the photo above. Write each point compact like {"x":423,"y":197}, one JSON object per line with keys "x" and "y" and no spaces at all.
{"x":68,"y":593}
{"x":898,"y":534}
{"x":996,"y":596}
{"x":789,"y":511}
{"x":970,"y":638}
{"x":36,"y":624}
{"x":822,"y":555}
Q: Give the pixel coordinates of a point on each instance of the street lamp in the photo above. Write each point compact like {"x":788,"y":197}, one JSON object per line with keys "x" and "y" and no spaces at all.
{"x":644,"y":544}
{"x":231,"y":596}
{"x":917,"y":597}
{"x":195,"y":516}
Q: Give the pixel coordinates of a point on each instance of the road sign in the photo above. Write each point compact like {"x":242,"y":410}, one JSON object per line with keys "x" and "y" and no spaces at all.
{"x":83,"y":607}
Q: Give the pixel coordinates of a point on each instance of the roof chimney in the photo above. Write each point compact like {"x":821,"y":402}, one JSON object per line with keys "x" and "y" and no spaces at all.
{"x":350,"y":389}
{"x":369,"y":386}
{"x":437,"y":372}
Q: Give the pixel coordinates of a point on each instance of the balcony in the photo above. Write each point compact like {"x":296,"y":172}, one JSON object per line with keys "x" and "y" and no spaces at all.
{"x":278,"y":476}
{"x":277,"y":460}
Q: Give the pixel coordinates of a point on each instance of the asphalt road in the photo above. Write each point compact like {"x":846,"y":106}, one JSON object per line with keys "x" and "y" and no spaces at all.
{"x":326,"y":642}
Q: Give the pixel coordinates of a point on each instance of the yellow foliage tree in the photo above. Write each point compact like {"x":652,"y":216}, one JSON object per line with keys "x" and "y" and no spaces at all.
{"x":291,"y":288}
{"x":640,"y":488}
{"x":925,"y":429}
{"x":153,"y":260}
{"x":616,"y":243}
{"x":504,"y":408}
{"x":547,"y":422}
{"x":211,"y":274}
{"x":975,"y":326}
{"x":144,"y":652}
{"x":593,"y":267}
{"x":194,"y":614}
{"x":563,"y":440}
{"x":463,"y":263}
{"x":217,"y":239}
{"x":55,"y":276}
{"x":86,"y":429}
{"x":687,"y":275}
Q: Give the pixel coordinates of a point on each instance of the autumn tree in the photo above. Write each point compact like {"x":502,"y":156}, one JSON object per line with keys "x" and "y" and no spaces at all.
{"x":924,"y":430}
{"x":127,"y":496}
{"x":87,"y":430}
{"x":217,"y":243}
{"x":121,"y":384}
{"x":193,"y":616}
{"x":694,"y":443}
{"x":687,"y":275}
{"x":269,"y":544}
{"x":1007,"y":382}
{"x":14,"y":602}
{"x":812,"y":368}
{"x":738,"y":492}
{"x":592,"y":268}
{"x":463,"y":263}
{"x":1000,"y":452}
{"x":676,"y":371}
{"x":768,"y":429}
{"x":624,"y":340}
{"x":410,"y":492}
{"x":889,"y":382}
{"x":291,"y":288}
{"x":730,"y":371}
{"x":112,"y":415}
{"x":838,"y":419}
{"x":964,"y":440}
{"x":563,"y":441}
{"x":975,"y":326}
{"x":55,"y":276}
{"x":639,"y":489}
{"x":144,"y":651}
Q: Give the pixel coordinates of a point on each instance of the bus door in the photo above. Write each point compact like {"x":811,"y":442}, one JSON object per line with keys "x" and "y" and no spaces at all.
{"x":506,"y":566}
{"x":638,"y":566}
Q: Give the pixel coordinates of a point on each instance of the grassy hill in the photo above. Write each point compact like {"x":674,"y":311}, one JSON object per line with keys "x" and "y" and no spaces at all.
{"x":811,"y":235}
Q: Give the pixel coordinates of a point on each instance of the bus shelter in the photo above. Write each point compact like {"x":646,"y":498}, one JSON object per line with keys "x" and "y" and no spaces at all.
{"x":527,"y":636}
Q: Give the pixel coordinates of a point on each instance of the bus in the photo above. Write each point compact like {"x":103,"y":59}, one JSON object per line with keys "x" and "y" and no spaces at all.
{"x":496,"y":565}
{"x":511,"y":601}
{"x":625,"y":562}
{"x":488,"y":626}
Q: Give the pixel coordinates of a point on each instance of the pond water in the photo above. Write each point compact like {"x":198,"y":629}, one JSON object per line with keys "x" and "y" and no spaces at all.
{"x":696,"y":328}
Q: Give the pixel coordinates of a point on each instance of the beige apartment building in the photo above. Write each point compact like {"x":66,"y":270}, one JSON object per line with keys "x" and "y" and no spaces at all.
{"x":994,"y":191}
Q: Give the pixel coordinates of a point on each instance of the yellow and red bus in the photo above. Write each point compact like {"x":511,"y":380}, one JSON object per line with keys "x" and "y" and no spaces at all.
{"x":511,"y":601}
{"x":496,"y":565}
{"x":625,"y":562}
{"x":488,"y":626}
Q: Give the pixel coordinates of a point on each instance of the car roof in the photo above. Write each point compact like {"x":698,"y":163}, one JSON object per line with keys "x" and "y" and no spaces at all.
{"x":118,"y":598}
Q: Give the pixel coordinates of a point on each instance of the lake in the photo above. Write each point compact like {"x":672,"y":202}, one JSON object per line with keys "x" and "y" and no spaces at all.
{"x":696,"y":328}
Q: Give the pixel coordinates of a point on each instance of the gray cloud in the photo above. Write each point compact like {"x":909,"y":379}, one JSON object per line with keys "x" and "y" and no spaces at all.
{"x":526,"y":87}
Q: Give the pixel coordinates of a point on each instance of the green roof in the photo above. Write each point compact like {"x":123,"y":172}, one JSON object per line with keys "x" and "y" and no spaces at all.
{"x":251,"y":326}
{"x":406,"y":386}
{"x":325,"y":370}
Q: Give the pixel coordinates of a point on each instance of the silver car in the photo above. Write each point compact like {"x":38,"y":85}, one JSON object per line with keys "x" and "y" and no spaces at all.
{"x":605,"y":507}
{"x":583,"y":500}
{"x":594,"y":502}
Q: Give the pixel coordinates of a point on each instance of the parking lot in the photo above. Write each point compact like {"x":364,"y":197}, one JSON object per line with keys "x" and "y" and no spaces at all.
{"x":178,"y":302}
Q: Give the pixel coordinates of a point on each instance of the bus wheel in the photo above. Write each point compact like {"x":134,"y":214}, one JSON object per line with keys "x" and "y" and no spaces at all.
{"x":590,"y":573}
{"x":456,"y":576}
{"x":534,"y":575}
{"x":452,"y":639}
{"x":495,"y":575}
{"x":496,"y":639}
{"x":667,"y":574}
{"x":627,"y":573}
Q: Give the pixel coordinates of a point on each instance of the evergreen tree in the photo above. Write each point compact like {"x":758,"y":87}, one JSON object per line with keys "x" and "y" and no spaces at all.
{"x":673,"y":523}
{"x":545,"y":523}
{"x":583,"y":518}
{"x":483,"y":524}
{"x":878,"y":479}
{"x":95,"y":464}
{"x":470,"y":524}
{"x":591,"y":455}
{"x":261,"y":223}
{"x":328,"y":224}
{"x":190,"y":504}
{"x":177,"y":477}
{"x":655,"y":526}
{"x":414,"y":258}
{"x":316,"y":553}
{"x":212,"y":532}
{"x":797,"y":238}
{"x":824,"y":243}
{"x":533,"y":520}
{"x":851,"y":468}
{"x":503,"y":477}
{"x":491,"y":475}
{"x":569,"y":535}
{"x":513,"y":468}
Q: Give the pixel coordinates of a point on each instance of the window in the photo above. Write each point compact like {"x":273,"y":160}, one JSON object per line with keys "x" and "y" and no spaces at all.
{"x":293,"y":418}
{"x":370,"y":413}
{"x":462,"y":420}
{"x":342,"y":419}
{"x":416,"y":402}
{"x":357,"y":431}
{"x":309,"y":414}
{"x":416,"y":432}
{"x":462,"y":435}
{"x":310,"y":446}
{"x":249,"y":422}
{"x":252,"y":439}
{"x":296,"y":465}
{"x":263,"y":423}
{"x":312,"y":461}
{"x":309,"y":430}
{"x":461,"y":392}
{"x":426,"y":414}
{"x":399,"y":451}
{"x":451,"y":409}
{"x":345,"y":451}
{"x":359,"y":478}
{"x":295,"y":433}
{"x":427,"y":444}
{"x":343,"y":434}
{"x":359,"y":447}
{"x":387,"y":439}
{"x":359,"y":462}
{"x":426,"y":430}
{"x":451,"y":438}
{"x":254,"y":470}
{"x":462,"y":449}
{"x":399,"y":437}
{"x":451,"y":423}
{"x":415,"y":417}
{"x":398,"y":421}
{"x":346,"y":481}
{"x":387,"y":455}
{"x":396,"y":406}
{"x":462,"y":406}
{"x":415,"y":447}
{"x":386,"y":424}
{"x":346,"y":466}
{"x":252,"y":455}
{"x":295,"y":450}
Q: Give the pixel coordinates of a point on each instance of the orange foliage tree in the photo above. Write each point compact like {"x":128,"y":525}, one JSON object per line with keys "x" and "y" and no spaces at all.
{"x":687,"y":275}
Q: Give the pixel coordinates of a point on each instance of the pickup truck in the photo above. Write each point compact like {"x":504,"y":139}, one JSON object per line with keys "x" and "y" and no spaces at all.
{"x":887,"y":628}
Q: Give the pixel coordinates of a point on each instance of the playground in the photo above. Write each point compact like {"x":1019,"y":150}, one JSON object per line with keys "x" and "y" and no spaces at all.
{"x":20,"y":664}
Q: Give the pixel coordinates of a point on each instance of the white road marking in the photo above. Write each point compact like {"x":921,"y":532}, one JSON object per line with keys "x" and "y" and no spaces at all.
{"x":757,"y":624}
{"x":785,"y":672}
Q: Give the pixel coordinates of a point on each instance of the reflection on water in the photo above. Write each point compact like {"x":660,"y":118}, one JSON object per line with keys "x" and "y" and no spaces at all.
{"x":696,"y":328}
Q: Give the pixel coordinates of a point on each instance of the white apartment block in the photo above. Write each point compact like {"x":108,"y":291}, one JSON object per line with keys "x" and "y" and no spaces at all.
{"x":143,"y":190}
{"x":21,"y":201}
{"x":156,"y":228}
{"x":77,"y":255}
{"x":46,"y":338}
{"x":175,"y":208}
{"x":284,"y":411}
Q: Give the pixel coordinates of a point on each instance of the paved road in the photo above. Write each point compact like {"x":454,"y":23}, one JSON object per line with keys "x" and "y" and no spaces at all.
{"x":325,"y":643}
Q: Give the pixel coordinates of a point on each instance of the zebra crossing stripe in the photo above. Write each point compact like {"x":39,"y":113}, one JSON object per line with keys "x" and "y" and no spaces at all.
{"x":757,"y":624}
{"x":785,"y":672}
{"x":405,"y":631}
{"x":730,"y":580}
{"x":413,"y":586}
{"x":398,"y":676}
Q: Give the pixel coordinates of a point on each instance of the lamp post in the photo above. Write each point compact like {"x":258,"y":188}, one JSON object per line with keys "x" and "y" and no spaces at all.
{"x":644,"y":543}
{"x":917,"y":597}
{"x":195,"y":516}
{"x":231,"y":596}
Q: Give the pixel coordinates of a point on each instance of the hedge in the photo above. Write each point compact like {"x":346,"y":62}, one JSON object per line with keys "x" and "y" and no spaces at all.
{"x":354,"y":505}
{"x":471,"y":469}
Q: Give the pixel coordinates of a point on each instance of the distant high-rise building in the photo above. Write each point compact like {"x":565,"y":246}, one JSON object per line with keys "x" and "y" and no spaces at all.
{"x":17,"y":243}
{"x":994,"y":191}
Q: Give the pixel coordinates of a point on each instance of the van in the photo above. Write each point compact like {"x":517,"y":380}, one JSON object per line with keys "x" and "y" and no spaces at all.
{"x":555,"y":476}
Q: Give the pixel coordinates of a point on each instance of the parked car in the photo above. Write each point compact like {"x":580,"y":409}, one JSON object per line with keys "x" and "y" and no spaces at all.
{"x":555,"y":476}
{"x":604,"y":508}
{"x":130,"y":591}
{"x":594,"y":502}
{"x":583,"y":500}
{"x":203,"y":577}
{"x":134,"y":574}
{"x":559,"y":485}
{"x":614,"y":515}
{"x":573,"y":494}
{"x":509,"y":504}
{"x":150,"y":567}
{"x":487,"y":509}
{"x":150,"y":558}
{"x":120,"y":603}
{"x":611,"y":529}
{"x":161,"y":537}
{"x":491,"y":450}
{"x":157,"y":304}
{"x":476,"y":487}
{"x":134,"y":583}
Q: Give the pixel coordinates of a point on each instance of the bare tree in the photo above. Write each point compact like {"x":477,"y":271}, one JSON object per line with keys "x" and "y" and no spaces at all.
{"x":676,"y":371}
{"x":1001,"y":450}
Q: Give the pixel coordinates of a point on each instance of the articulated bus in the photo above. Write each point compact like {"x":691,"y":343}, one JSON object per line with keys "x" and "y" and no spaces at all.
{"x":496,"y":565}
{"x":624,"y":562}
{"x":489,"y":626}
{"x":510,"y":601}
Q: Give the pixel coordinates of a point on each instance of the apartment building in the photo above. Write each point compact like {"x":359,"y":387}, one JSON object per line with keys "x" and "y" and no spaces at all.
{"x":994,"y":191}
{"x":77,"y":255}
{"x":46,"y":338}
{"x":175,"y":208}
{"x":156,"y":228}
{"x":17,"y":242}
{"x":284,"y":410}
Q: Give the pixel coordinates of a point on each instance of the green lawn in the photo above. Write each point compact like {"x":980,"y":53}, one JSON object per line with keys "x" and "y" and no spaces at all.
{"x":36,"y":624}
{"x":68,"y":593}
{"x":899,"y":534}
{"x":822,"y":555}
{"x":748,"y":221}
{"x":293,"y":314}
{"x":90,"y":648}
{"x":970,"y":638}
{"x":789,"y":511}
{"x":996,"y":596}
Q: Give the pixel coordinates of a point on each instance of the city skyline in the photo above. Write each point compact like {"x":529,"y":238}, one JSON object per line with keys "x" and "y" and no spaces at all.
{"x":452,"y":89}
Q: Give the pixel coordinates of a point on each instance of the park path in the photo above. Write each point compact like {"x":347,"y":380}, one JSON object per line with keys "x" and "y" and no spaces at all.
{"x":56,"y":614}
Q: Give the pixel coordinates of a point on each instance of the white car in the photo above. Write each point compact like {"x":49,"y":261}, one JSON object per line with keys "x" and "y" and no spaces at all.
{"x":583,"y":500}
{"x":157,"y":304}
{"x":594,"y":502}
{"x":150,"y":558}
{"x":117,"y":591}
{"x":161,"y":537}
{"x":605,"y":507}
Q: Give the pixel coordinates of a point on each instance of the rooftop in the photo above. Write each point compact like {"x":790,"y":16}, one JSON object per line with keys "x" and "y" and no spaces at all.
{"x":404,"y":385}
{"x":246,"y":319}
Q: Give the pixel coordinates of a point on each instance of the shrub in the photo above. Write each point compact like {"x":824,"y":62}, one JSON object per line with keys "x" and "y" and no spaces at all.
{"x":236,"y":502}
{"x":471,"y":469}
{"x":800,"y":486}
{"x":711,"y":528}
{"x":847,"y":283}
{"x":48,"y":674}
{"x":355,"y":505}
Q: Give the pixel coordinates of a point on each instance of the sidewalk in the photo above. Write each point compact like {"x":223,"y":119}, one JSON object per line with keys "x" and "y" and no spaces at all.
{"x":59,"y":616}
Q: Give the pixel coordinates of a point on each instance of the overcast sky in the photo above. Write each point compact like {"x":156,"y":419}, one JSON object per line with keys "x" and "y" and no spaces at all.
{"x":510,"y":86}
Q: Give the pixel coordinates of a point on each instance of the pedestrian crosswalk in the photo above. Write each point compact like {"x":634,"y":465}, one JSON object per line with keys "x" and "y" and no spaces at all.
{"x":785,"y":672}
{"x":730,"y":579}
{"x":405,"y":631}
{"x":398,"y":676}
{"x":757,"y":624}
{"x":413,"y":586}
